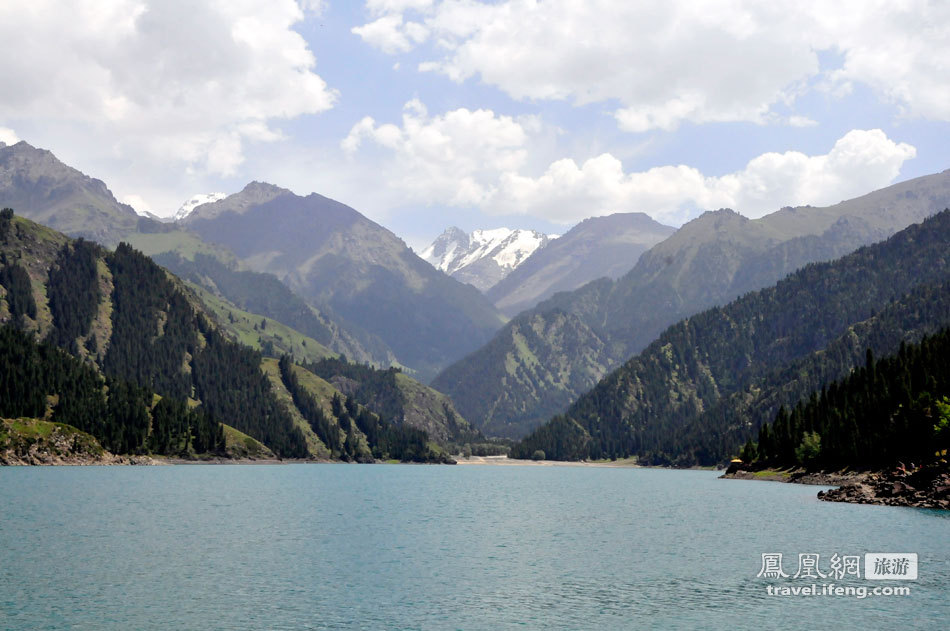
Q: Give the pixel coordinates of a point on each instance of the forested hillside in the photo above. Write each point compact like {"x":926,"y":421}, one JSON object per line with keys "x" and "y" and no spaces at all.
{"x":349,"y":429}
{"x":892,"y":410}
{"x":397,"y":398}
{"x":334,"y":257}
{"x":123,"y":416}
{"x":644,"y":407}
{"x":713,"y":435}
{"x":535,"y":368}
{"x":710,"y":261}
{"x":139,"y":327}
{"x":131,"y":356}
{"x":265,"y":295}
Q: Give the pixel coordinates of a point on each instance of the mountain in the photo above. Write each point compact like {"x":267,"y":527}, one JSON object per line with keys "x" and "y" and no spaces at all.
{"x":533,"y":369}
{"x":196,"y":200}
{"x":711,"y":260}
{"x":130,"y":329}
{"x":335,"y":258}
{"x":597,"y":247}
{"x":395,"y":396}
{"x":484,"y":257}
{"x":43,"y":188}
{"x":646,"y":407}
{"x":264,"y":295}
{"x":134,"y":357}
{"x":150,"y":215}
{"x":40,"y":187}
{"x":886,"y":412}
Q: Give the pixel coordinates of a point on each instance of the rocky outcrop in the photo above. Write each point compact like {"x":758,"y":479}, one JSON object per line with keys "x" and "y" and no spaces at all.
{"x":925,"y":487}
{"x":37,"y":442}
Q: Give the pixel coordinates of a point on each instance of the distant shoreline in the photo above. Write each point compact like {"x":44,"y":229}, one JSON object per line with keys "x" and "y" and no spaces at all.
{"x":505,"y":461}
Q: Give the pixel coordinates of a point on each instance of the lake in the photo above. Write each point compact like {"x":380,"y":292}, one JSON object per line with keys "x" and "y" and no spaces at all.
{"x":438,"y":547}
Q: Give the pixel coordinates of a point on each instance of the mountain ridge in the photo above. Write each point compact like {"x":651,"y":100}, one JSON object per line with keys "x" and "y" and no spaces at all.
{"x":55,"y":194}
{"x":711,"y":260}
{"x":597,"y":247}
{"x":330,"y":254}
{"x":643,"y":406}
{"x":483,"y":257}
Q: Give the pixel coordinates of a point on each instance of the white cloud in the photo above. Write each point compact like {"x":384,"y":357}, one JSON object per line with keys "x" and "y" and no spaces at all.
{"x":901,"y":49}
{"x":456,"y":158}
{"x":469,"y":158}
{"x":801,"y":121}
{"x":378,"y":7}
{"x":140,"y":206}
{"x":390,"y":35}
{"x":8,"y":136}
{"x":164,"y":82}
{"x":678,"y":61}
{"x":859,"y":162}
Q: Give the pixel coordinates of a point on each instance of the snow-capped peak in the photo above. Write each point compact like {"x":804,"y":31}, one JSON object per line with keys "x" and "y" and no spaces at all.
{"x":446,"y":248}
{"x":482,"y":257}
{"x":195,"y":201}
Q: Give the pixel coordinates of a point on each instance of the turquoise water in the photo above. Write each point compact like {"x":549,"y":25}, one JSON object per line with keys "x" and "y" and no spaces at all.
{"x":426,"y":547}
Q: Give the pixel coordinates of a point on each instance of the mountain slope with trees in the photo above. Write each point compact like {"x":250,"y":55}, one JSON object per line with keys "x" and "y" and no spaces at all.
{"x":709,"y":261}
{"x":333,"y":256}
{"x":133,"y":357}
{"x":265,"y":295}
{"x":892,"y":410}
{"x":644,"y":407}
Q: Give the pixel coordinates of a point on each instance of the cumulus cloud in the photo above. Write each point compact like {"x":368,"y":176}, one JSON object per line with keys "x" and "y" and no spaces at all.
{"x":859,"y":162}
{"x":8,"y":136}
{"x":678,"y":61}
{"x":477,"y":158}
{"x":455,"y":158}
{"x":391,"y":35}
{"x":169,"y":81}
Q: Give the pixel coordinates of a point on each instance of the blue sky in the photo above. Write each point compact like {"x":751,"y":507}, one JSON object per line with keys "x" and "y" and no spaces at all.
{"x":427,"y":113}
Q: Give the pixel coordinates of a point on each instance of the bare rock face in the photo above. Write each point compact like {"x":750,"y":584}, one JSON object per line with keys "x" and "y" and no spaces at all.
{"x":924,"y":487}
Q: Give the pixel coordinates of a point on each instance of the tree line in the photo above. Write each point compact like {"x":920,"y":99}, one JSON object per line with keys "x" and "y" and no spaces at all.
{"x":387,"y":439}
{"x":895,"y":409}
{"x":39,"y":380}
{"x":657,"y":405}
{"x":160,"y":343}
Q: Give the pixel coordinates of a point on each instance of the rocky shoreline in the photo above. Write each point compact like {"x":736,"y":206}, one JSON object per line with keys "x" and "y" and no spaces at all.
{"x":924,"y":487}
{"x":29,"y":442}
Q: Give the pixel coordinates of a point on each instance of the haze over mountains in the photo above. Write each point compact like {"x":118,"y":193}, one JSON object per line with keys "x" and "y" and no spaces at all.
{"x":517,"y":269}
{"x":710,"y":260}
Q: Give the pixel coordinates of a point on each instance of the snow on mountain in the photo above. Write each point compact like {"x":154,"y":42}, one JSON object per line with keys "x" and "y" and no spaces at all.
{"x":150,"y":215}
{"x":195,"y":201}
{"x":482,"y":257}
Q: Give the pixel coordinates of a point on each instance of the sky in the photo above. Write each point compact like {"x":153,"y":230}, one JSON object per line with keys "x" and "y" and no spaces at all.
{"x":423,"y":114}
